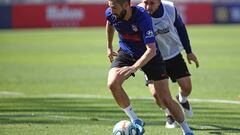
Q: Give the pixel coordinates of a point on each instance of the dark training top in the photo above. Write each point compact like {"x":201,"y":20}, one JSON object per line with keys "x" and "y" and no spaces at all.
{"x":135,"y":33}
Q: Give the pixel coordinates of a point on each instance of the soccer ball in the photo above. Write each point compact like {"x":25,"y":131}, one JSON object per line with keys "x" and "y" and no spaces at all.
{"x":124,"y":127}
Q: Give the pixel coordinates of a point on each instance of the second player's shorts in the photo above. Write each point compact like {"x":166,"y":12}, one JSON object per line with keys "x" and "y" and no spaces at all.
{"x":176,"y":68}
{"x":155,"y":69}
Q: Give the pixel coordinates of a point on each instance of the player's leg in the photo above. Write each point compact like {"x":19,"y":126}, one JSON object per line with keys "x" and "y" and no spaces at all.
{"x":150,"y":85}
{"x":162,"y":90}
{"x":115,"y":81}
{"x":170,"y":122}
{"x":178,"y":71}
{"x":156,"y":71}
{"x":185,"y":88}
{"x":155,"y":95}
{"x":161,"y":87}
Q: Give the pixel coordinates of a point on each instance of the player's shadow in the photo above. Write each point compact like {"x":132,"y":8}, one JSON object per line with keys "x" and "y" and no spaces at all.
{"x":218,"y":130}
{"x":104,"y":111}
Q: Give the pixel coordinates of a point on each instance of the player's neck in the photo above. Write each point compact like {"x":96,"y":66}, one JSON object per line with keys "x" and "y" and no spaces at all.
{"x":128,"y":14}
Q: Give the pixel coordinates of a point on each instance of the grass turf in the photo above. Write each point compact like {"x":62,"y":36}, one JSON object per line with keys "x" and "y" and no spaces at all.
{"x":39,"y":68}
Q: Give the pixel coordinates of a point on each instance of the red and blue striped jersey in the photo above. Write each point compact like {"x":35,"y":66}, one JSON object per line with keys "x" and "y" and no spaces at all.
{"x":135,"y":33}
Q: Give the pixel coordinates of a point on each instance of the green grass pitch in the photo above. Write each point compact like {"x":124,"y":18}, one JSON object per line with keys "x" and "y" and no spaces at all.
{"x":53,"y":82}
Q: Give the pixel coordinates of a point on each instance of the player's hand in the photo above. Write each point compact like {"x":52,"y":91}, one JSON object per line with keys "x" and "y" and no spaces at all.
{"x":111,"y":54}
{"x":192,"y":57}
{"x":127,"y":70}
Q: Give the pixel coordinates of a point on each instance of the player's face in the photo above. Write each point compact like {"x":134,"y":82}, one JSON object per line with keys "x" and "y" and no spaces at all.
{"x":151,"y":5}
{"x":118,"y":10}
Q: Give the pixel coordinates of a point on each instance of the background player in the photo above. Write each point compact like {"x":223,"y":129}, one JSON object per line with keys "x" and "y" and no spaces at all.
{"x":171,"y":35}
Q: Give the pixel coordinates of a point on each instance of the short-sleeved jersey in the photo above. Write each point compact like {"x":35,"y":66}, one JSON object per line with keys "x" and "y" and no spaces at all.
{"x":135,"y":33}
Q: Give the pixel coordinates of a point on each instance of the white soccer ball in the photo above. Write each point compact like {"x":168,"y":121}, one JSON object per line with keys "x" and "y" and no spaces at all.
{"x":124,"y":127}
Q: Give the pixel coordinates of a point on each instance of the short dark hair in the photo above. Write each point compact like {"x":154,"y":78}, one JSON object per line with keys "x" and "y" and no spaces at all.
{"x":123,"y":1}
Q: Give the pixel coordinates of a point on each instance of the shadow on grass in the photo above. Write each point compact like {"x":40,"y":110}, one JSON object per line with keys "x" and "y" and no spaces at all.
{"x":218,"y":130}
{"x":106,"y":112}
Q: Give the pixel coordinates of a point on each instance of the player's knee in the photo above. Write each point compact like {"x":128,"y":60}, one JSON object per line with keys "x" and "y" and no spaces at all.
{"x":159,"y":102}
{"x":166,"y":101}
{"x":112,"y":85}
{"x":156,"y":96}
{"x":187,"y":88}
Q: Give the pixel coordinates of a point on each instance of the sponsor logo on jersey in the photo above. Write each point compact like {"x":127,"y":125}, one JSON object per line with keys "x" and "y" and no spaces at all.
{"x":157,"y":23}
{"x":162,"y":31}
{"x":134,"y":28}
{"x":149,"y":34}
{"x":162,"y":28}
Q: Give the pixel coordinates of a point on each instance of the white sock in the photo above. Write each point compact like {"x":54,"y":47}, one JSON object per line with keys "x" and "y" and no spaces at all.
{"x":130,"y":113}
{"x":185,"y":127}
{"x":167,"y":113}
{"x":182,"y":99}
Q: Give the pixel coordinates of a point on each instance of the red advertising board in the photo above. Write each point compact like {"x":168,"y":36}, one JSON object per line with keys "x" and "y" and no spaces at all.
{"x":58,"y":15}
{"x":196,"y":13}
{"x":67,"y":15}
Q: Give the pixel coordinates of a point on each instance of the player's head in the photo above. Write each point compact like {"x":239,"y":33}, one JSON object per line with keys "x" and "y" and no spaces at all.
{"x":151,"y":5}
{"x":119,"y":8}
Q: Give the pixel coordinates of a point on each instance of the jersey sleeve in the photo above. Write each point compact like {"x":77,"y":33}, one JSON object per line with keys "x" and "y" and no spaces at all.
{"x":182,"y":32}
{"x":145,"y":25}
{"x":109,"y":16}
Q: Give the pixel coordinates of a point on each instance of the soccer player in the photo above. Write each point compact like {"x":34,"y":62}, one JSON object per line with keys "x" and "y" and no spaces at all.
{"x":137,"y":51}
{"x":171,"y":36}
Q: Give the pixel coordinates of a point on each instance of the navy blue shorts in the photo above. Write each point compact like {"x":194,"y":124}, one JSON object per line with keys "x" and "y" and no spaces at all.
{"x":155,"y":69}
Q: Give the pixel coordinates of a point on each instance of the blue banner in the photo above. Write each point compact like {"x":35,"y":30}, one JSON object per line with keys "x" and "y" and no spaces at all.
{"x":227,"y":13}
{"x":5,"y":16}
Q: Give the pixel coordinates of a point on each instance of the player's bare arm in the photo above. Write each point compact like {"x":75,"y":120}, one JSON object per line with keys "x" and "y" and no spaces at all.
{"x":146,"y":57}
{"x":110,"y":33}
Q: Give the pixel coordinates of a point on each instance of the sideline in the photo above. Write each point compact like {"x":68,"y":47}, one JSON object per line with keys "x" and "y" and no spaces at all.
{"x":66,"y":95}
{"x":144,"y":98}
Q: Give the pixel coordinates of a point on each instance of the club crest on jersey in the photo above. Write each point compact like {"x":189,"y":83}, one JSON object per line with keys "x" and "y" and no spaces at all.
{"x":134,"y":28}
{"x":114,"y":17}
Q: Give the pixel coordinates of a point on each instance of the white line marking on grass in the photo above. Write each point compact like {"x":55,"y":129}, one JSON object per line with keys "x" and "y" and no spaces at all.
{"x":7,"y":93}
{"x":209,"y":127}
{"x":79,"y":96}
{"x":144,"y":98}
{"x":215,"y":101}
{"x":63,"y":117}
{"x":80,"y":118}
